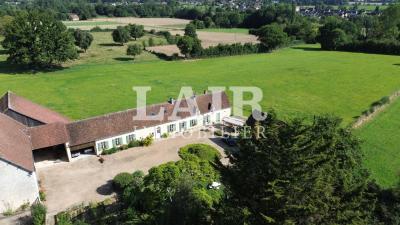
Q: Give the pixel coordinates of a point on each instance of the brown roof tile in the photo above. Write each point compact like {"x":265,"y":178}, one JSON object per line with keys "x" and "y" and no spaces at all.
{"x":48,"y":135}
{"x":15,"y":145}
{"x":25,"y":107}
{"x":92,"y":129}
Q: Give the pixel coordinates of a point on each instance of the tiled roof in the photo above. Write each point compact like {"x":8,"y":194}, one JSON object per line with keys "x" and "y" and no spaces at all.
{"x":15,"y":145}
{"x":30,"y":109}
{"x":92,"y":129}
{"x":48,"y":135}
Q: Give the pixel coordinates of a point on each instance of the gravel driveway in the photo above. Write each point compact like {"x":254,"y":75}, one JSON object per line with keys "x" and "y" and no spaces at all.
{"x":87,"y":180}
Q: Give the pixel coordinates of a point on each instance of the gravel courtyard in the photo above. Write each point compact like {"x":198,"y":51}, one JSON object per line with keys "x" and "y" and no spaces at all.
{"x":87,"y":180}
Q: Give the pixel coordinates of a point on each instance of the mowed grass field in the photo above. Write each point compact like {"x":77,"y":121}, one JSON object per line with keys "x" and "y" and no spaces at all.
{"x":381,"y":145}
{"x":300,"y":81}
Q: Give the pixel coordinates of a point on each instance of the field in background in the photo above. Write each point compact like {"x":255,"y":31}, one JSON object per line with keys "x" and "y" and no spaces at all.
{"x":113,"y":22}
{"x":292,"y":82}
{"x":105,"y":51}
{"x":381,"y":145}
{"x":227,"y":30}
{"x":207,"y":39}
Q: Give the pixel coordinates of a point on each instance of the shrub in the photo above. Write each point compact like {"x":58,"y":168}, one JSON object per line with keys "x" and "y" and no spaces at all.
{"x":202,"y":151}
{"x":123,"y":147}
{"x":38,"y":212}
{"x":151,"y":42}
{"x":109,"y":151}
{"x":134,"y":50}
{"x":42,"y":195}
{"x":218,"y":133}
{"x":147,"y":141}
{"x":122,"y":180}
{"x":63,"y":219}
{"x":164,"y":135}
{"x":134,"y":143}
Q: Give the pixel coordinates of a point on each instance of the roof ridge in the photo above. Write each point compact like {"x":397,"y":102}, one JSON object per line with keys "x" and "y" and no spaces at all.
{"x":131,"y":109}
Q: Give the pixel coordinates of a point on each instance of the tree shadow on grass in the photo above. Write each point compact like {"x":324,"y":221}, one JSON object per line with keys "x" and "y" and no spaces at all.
{"x":110,"y":44}
{"x":124,"y":59}
{"x":3,"y":51}
{"x":396,"y":64}
{"x":11,"y":69}
{"x":307,"y":48}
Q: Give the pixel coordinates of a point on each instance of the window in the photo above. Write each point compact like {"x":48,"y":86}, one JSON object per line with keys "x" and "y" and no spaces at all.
{"x":218,"y":117}
{"x":117,"y":142}
{"x":102,"y":145}
{"x":182,"y":126}
{"x":193,"y":122}
{"x":171,"y":128}
{"x":206,"y":120}
{"x":130,"y":138}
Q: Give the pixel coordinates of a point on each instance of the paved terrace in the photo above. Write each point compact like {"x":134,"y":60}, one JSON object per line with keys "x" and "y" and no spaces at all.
{"x":87,"y":180}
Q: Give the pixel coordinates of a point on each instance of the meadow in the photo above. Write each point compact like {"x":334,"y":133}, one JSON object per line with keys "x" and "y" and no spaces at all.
{"x":297,"y":81}
{"x":381,"y":145}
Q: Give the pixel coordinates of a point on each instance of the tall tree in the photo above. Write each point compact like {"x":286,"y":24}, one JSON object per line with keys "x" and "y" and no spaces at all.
{"x":190,"y":30}
{"x":189,"y":46}
{"x":36,"y":39}
{"x":134,"y":50}
{"x":136,"y":31}
{"x":299,"y":173}
{"x":272,"y":36}
{"x":83,"y":39}
{"x":121,"y":35}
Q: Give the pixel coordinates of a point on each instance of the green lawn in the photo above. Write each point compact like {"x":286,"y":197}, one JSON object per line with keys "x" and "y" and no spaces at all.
{"x":295,"y":82}
{"x":227,"y":30}
{"x":381,"y":145}
{"x":299,"y":81}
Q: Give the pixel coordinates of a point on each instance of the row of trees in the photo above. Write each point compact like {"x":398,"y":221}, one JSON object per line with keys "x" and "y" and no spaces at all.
{"x":296,"y":172}
{"x":124,"y":33}
{"x":271,"y":37}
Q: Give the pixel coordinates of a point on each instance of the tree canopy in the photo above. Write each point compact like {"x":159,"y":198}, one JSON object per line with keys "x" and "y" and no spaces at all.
{"x":36,"y":39}
{"x":272,"y":36}
{"x":136,"y":31}
{"x":83,"y":39}
{"x":121,"y":35}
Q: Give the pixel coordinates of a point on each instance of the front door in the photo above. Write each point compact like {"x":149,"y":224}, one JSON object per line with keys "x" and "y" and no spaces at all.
{"x":158,"y":132}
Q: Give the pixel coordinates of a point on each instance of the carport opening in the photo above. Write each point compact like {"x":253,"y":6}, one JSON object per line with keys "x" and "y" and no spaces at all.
{"x":50,"y":154}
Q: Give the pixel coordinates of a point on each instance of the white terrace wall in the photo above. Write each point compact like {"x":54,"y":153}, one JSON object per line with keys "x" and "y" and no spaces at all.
{"x":143,"y":133}
{"x":17,"y":186}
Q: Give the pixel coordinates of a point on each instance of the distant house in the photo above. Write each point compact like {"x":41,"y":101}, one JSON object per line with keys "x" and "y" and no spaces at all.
{"x":30,"y":133}
{"x":73,"y":17}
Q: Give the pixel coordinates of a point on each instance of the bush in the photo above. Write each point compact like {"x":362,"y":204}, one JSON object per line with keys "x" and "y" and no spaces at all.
{"x":202,"y":151}
{"x":42,"y":195}
{"x":230,"y":49}
{"x":218,"y":133}
{"x":63,"y":219}
{"x":122,"y":180}
{"x":134,"y":50}
{"x":147,"y":141}
{"x":109,"y":151}
{"x":123,"y":147}
{"x":134,"y":144}
{"x":38,"y":212}
{"x":165,"y":135}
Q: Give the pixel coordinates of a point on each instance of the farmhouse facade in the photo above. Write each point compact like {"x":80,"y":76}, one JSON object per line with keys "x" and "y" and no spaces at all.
{"x":30,"y":133}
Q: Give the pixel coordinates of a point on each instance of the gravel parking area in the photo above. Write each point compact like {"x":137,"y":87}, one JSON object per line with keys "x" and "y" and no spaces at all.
{"x":87,"y":180}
